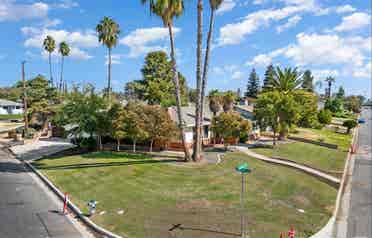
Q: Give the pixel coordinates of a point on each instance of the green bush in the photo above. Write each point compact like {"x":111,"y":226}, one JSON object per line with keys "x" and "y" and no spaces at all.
{"x":349,"y":124}
{"x":88,"y":143}
{"x":325,"y":116}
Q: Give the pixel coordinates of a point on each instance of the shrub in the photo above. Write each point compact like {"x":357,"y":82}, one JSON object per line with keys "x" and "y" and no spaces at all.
{"x":349,"y":124}
{"x":88,"y":143}
{"x":325,"y":116}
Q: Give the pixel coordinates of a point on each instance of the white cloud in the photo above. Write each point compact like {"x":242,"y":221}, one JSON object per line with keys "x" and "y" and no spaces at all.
{"x":66,"y":4}
{"x":226,"y":6}
{"x":363,"y":72}
{"x":51,"y":23}
{"x":321,"y":74}
{"x":290,"y":23}
{"x":355,"y":21}
{"x":76,"y":40}
{"x":234,"y":33}
{"x":115,"y":59}
{"x":144,"y":40}
{"x":75,"y":53}
{"x":237,"y":75}
{"x":260,"y":60}
{"x":226,"y":69}
{"x":345,"y":9}
{"x":12,"y":11}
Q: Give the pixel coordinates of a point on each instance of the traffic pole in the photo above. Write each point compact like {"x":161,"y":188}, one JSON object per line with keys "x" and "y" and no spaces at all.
{"x":65,"y":201}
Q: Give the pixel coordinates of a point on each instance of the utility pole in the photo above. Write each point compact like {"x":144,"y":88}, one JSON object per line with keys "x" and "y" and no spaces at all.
{"x":25,"y":116}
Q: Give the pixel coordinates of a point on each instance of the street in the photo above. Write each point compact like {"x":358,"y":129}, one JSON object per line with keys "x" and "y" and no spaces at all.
{"x":360,"y":212}
{"x":27,"y":210}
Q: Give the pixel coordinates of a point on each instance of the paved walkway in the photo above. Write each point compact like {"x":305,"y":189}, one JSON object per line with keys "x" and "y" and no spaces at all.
{"x":304,"y":168}
{"x":41,"y":148}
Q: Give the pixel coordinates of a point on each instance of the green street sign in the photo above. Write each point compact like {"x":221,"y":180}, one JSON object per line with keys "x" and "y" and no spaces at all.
{"x":243,"y":168}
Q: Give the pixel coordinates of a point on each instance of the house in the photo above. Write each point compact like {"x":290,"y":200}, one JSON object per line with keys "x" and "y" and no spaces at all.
{"x":188,"y":116}
{"x":246,"y":111}
{"x":10,"y":108}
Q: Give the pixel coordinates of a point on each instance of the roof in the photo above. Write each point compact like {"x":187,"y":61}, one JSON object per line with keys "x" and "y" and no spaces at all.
{"x":4,"y":102}
{"x":247,"y":108}
{"x":188,"y":115}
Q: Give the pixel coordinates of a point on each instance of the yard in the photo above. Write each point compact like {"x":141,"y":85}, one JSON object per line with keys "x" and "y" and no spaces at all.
{"x":144,"y":197}
{"x":309,"y":154}
{"x":325,"y":135}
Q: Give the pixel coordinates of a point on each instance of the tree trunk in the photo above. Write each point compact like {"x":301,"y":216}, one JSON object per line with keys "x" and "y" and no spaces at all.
{"x":151,"y":143}
{"x":61,"y":79}
{"x":118,"y":145}
{"x":109,"y":75}
{"x":50,"y":69}
{"x":178,"y":94}
{"x":134,"y":146}
{"x":274,"y":139}
{"x":100,"y":142}
{"x":198,"y":119}
{"x":206,"y":65}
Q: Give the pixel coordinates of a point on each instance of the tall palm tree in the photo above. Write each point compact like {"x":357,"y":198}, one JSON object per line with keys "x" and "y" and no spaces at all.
{"x":167,"y":10}
{"x":198,"y":116}
{"x":330,"y":80}
{"x":228,"y":101}
{"x":108,"y":33}
{"x":287,"y":80}
{"x":64,"y":50}
{"x":50,"y":45}
{"x":214,"y":5}
{"x":215,"y":102}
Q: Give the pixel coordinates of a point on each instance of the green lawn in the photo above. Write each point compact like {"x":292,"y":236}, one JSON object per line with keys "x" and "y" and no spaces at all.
{"x":309,"y":154}
{"x":9,"y":117}
{"x":325,"y":135}
{"x":203,"y":198}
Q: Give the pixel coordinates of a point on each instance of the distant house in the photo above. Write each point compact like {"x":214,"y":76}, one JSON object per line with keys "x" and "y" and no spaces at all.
{"x":188,"y":115}
{"x":10,"y":108}
{"x":246,"y":111}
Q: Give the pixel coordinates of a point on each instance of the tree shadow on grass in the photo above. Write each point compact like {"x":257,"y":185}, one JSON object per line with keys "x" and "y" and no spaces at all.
{"x":99,"y":165}
{"x":182,"y":227}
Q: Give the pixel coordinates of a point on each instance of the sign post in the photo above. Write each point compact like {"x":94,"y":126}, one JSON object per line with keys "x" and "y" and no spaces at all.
{"x":243,"y":170}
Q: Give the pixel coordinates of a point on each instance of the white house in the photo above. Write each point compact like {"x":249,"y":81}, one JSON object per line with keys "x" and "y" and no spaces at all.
{"x":10,"y":108}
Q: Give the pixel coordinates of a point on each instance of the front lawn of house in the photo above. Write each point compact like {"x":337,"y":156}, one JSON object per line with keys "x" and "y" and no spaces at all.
{"x":313,"y":155}
{"x":204,"y":199}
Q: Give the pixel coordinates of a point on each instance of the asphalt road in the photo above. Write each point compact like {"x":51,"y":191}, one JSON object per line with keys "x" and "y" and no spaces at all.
{"x":360,"y":212}
{"x":26,"y":208}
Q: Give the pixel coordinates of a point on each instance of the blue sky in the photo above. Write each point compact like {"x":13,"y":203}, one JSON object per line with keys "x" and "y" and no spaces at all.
{"x":329,"y":37}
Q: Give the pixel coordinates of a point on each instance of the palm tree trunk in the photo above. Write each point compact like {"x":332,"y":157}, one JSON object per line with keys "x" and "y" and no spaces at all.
{"x":197,"y":133}
{"x":177,"y":93}
{"x":206,"y":64}
{"x":50,"y":69}
{"x":109,"y":75}
{"x":61,"y":79}
{"x":118,"y":145}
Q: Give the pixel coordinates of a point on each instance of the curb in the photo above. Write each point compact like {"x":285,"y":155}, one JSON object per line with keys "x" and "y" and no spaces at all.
{"x":99,"y":230}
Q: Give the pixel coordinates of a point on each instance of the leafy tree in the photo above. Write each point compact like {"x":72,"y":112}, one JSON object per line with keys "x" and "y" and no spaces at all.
{"x":157,"y":86}
{"x":253,"y":85}
{"x":119,"y":126}
{"x":269,"y":77}
{"x":108,"y":33}
{"x":157,"y":124}
{"x":267,"y":112}
{"x":11,"y":93}
{"x":215,"y":101}
{"x":334,"y":105}
{"x":329,"y":80}
{"x":229,"y":98}
{"x":350,"y":124}
{"x":341,"y":93}
{"x":307,"y":81}
{"x":50,"y":45}
{"x":353,"y":103}
{"x":325,"y":116}
{"x":134,"y":124}
{"x":167,"y":11}
{"x":230,"y":125}
{"x":308,"y":106}
{"x":134,"y":90}
{"x":64,"y":50}
{"x":41,"y":99}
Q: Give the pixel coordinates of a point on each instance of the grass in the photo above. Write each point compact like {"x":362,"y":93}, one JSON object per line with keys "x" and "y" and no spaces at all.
{"x":10,"y":117}
{"x":309,"y":154}
{"x":203,"y":198}
{"x":325,"y":135}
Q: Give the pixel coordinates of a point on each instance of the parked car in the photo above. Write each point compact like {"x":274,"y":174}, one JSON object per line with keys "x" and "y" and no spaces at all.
{"x":361,"y":120}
